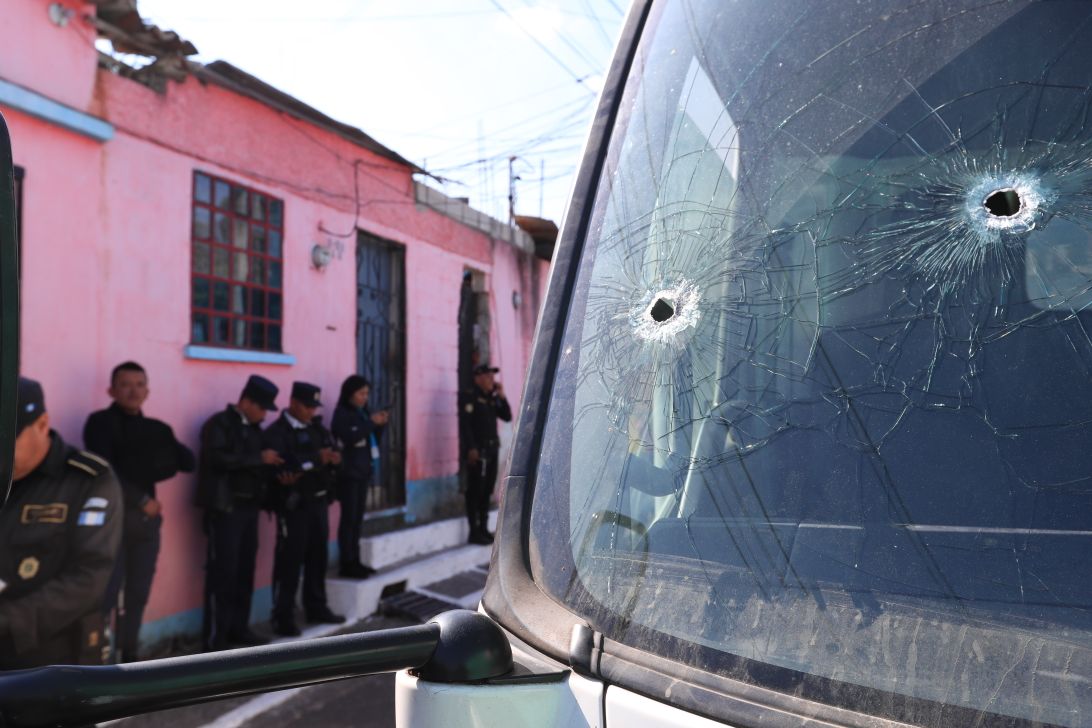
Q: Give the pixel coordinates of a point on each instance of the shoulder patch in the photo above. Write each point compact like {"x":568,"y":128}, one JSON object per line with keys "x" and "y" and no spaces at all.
{"x":89,"y":463}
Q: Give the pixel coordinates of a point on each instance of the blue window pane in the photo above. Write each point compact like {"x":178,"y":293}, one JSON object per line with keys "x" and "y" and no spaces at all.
{"x":275,"y":306}
{"x":220,"y":296}
{"x":201,"y":293}
{"x":201,"y":222}
{"x":202,"y":258}
{"x":221,"y":228}
{"x":257,"y":271}
{"x":220,"y":328}
{"x":276,"y":212}
{"x":220,"y":263}
{"x":242,"y":202}
{"x":223,"y":194}
{"x":257,"y":336}
{"x":274,"y":275}
{"x":273,"y":339}
{"x":202,"y":188}
{"x":257,"y":302}
{"x":257,"y":238}
{"x":275,"y":243}
{"x":238,"y":299}
{"x":200,"y":332}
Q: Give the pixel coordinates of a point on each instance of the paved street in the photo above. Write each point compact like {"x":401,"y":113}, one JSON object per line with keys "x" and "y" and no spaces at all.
{"x":366,"y":701}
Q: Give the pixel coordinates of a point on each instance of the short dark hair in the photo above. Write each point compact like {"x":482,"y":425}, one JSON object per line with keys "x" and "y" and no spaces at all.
{"x":126,"y":366}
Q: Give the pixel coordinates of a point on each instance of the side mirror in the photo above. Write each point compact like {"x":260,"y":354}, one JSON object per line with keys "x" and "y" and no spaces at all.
{"x":9,"y":312}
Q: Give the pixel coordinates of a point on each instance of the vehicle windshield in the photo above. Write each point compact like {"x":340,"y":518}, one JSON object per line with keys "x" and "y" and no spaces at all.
{"x":822,"y":419}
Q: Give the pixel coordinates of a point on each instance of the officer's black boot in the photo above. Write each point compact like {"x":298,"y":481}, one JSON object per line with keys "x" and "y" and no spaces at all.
{"x":483,"y":519}
{"x":477,"y":533}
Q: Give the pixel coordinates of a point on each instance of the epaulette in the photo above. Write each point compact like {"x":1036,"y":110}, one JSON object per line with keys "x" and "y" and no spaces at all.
{"x":88,"y":462}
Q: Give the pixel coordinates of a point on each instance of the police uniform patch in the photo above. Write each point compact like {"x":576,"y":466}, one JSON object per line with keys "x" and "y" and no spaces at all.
{"x":91,"y":518}
{"x":28,"y":568}
{"x":96,"y":502}
{"x":44,"y":513}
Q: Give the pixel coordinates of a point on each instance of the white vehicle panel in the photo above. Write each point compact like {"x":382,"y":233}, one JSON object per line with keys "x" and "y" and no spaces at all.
{"x":625,"y":708}
{"x":573,"y":702}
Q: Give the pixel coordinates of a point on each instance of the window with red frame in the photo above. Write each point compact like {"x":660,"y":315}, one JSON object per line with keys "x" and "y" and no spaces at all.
{"x":238,"y":241}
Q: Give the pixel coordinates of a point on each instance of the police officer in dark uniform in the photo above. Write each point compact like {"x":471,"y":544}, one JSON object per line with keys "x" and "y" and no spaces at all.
{"x":301,"y":492}
{"x":231,"y":485}
{"x":143,"y":451}
{"x":479,"y":409}
{"x":59,"y":534}
{"x":357,"y":430}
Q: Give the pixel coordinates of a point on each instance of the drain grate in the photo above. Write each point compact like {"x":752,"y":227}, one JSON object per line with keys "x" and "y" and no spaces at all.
{"x":414,"y":605}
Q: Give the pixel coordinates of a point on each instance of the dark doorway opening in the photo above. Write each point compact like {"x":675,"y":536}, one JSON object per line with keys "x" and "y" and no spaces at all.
{"x":474,"y":325}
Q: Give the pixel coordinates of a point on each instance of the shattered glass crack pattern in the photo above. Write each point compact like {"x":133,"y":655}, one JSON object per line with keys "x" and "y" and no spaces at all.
{"x":824,"y":398}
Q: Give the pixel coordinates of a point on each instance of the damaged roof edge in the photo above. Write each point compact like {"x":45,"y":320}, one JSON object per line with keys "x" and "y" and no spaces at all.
{"x":459,"y":211}
{"x":234,"y":79}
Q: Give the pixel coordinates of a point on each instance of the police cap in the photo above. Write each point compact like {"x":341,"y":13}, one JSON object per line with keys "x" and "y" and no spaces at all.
{"x":31,"y":404}
{"x":261,"y":392}
{"x":485,"y":369}
{"x":306,"y":394}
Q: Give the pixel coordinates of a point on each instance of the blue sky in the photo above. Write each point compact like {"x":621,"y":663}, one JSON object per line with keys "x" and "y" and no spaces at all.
{"x":457,"y":87}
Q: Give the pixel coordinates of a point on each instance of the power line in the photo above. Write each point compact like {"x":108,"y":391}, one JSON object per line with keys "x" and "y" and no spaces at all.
{"x":579,"y":79}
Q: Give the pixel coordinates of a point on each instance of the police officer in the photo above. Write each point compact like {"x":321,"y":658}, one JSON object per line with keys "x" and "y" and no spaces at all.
{"x":358,"y":431}
{"x":59,"y":534}
{"x":230,"y":487}
{"x":142,"y":451}
{"x":479,"y":409}
{"x":301,"y":492}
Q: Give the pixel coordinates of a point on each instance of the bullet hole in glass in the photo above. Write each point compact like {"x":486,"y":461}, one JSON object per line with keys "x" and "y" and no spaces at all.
{"x":1003,"y":203}
{"x":661,"y":311}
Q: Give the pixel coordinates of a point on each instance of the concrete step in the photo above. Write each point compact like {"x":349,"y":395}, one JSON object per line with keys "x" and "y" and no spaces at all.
{"x":395,"y":547}
{"x":359,"y":598}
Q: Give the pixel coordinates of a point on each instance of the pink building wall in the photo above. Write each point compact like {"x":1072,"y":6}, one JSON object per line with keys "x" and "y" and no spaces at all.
{"x":106,"y":243}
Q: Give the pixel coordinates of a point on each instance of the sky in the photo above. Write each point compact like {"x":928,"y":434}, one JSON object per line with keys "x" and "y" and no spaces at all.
{"x":456,"y":86}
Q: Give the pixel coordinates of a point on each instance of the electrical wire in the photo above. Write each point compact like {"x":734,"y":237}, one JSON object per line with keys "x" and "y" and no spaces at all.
{"x":579,"y":79}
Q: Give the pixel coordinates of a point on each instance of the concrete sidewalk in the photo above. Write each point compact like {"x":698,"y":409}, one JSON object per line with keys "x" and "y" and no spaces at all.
{"x":422,"y":571}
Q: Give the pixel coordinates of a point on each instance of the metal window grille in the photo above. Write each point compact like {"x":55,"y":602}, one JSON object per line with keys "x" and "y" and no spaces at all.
{"x":237,"y":266}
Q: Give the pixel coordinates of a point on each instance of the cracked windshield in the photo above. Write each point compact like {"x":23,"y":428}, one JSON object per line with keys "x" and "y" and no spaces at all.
{"x":823,"y":412}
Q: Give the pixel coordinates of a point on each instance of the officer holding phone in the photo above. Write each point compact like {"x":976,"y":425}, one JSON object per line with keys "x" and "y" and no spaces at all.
{"x":479,"y":409}
{"x":358,"y":430}
{"x":302,"y":489}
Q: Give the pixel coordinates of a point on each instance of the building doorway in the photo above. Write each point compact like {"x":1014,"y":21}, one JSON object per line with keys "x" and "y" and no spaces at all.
{"x":381,"y":358}
{"x":474,"y":325}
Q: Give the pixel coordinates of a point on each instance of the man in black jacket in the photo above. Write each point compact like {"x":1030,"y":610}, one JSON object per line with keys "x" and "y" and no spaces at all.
{"x":143,"y":452}
{"x":231,"y":486}
{"x":302,"y":489}
{"x":59,"y":533}
{"x":479,"y":409}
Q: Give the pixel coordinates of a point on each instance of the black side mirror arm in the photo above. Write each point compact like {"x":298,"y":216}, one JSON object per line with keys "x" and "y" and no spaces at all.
{"x":457,"y":646}
{"x":9,"y":311}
